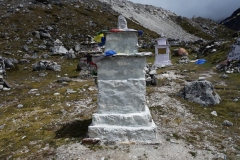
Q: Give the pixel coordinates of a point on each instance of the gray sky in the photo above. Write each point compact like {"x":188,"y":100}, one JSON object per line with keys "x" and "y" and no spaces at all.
{"x":213,"y":9}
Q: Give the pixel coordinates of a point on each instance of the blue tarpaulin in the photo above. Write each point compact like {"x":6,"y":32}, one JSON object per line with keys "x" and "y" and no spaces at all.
{"x":200,"y":61}
{"x":110,"y":53}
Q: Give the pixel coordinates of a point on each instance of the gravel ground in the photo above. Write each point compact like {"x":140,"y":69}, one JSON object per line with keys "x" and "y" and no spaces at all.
{"x":168,"y":145}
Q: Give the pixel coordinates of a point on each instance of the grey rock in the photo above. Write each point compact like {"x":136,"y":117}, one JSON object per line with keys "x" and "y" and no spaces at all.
{"x":227,"y":123}
{"x":16,"y":38}
{"x":19,"y":106}
{"x":45,"y":56}
{"x":34,"y":56}
{"x":214,"y":113}
{"x":36,"y":34}
{"x":49,"y":28}
{"x":183,"y":59}
{"x":2,"y":126}
{"x":201,"y":92}
{"x":54,"y":67}
{"x":69,"y":91}
{"x":23,"y":61}
{"x":224,"y":76}
{"x":70,"y":54}
{"x":9,"y":62}
{"x":77,"y":46}
{"x":59,"y":50}
{"x":39,"y":66}
{"x":30,"y":40}
{"x":45,"y":35}
{"x":42,"y":46}
{"x":201,"y":79}
{"x":26,"y":56}
{"x":7,"y":53}
{"x":49,"y":43}
{"x":42,"y":74}
{"x":25,"y":48}
{"x":235,"y":100}
{"x":6,"y":89}
{"x":63,"y":79}
{"x":44,"y":64}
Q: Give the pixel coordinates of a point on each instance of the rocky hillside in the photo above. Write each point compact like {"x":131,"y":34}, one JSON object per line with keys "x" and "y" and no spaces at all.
{"x":171,"y":25}
{"x":71,"y":21}
{"x":37,"y":25}
{"x":233,"y":22}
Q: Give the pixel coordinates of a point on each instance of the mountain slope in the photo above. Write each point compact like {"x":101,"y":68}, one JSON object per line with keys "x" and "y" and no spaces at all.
{"x":233,"y":22}
{"x":70,"y":22}
{"x":153,"y":18}
{"x":168,"y":23}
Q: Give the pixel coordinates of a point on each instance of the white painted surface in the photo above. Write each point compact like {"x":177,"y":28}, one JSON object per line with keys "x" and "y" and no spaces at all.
{"x":162,"y":60}
{"x":122,"y":42}
{"x":162,"y":41}
{"x":122,"y":113}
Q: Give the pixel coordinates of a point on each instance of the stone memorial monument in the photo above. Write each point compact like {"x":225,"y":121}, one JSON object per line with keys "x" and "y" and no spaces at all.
{"x":122,"y":113}
{"x":162,"y":53}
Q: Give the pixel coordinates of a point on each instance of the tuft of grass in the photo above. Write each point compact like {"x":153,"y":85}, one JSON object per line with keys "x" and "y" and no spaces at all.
{"x":95,"y":147}
{"x":194,"y":154}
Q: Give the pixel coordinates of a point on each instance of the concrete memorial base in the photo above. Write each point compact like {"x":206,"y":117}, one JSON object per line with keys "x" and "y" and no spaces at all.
{"x":122,"y":112}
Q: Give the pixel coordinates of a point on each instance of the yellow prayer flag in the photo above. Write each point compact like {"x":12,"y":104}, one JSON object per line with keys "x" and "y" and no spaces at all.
{"x":98,"y":38}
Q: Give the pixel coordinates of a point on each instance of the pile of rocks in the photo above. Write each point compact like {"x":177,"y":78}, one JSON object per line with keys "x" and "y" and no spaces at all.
{"x":183,"y":59}
{"x":228,"y":66}
{"x":46,"y":65}
{"x":4,"y":63}
{"x":150,"y":75}
{"x":4,"y":85}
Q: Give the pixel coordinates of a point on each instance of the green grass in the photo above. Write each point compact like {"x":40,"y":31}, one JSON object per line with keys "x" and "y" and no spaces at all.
{"x":195,"y":31}
{"x":36,"y":121}
{"x":218,"y":30}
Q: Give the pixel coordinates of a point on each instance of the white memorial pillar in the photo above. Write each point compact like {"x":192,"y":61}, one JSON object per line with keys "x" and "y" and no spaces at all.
{"x":122,"y":113}
{"x":162,"y":53}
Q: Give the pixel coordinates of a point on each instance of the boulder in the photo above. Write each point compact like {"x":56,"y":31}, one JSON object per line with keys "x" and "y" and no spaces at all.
{"x":182,"y":52}
{"x":201,"y":92}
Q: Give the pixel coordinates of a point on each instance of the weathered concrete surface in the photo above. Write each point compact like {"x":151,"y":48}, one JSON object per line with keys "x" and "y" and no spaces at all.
{"x":124,"y":133}
{"x":131,"y":119}
{"x":123,"y":42}
{"x":121,"y":68}
{"x":122,"y":113}
{"x":121,"y":96}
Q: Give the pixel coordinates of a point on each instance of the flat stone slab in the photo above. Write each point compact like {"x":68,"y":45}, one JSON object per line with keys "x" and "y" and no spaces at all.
{"x":131,"y":119}
{"x":122,"y":133}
